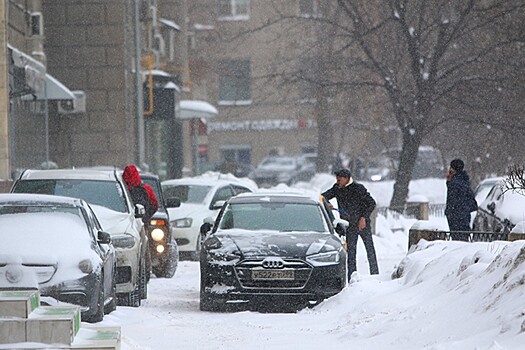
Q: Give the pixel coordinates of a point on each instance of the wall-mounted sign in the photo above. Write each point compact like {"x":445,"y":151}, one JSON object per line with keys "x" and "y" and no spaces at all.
{"x":261,"y":125}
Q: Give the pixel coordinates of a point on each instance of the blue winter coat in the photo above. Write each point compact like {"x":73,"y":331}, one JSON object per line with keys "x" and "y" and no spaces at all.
{"x":460,"y":202}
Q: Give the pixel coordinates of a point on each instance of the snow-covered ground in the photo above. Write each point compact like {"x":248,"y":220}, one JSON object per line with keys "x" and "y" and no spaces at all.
{"x":446,"y":295}
{"x":439,"y":295}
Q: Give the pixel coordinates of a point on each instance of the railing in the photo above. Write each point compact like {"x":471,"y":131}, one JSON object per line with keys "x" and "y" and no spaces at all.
{"x":414,"y":210}
{"x":469,"y":236}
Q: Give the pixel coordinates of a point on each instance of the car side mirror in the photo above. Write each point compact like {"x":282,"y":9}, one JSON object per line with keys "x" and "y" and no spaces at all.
{"x":139,"y":211}
{"x":207,"y":225}
{"x":103,"y":237}
{"x":341,"y":226}
{"x":217,"y":205}
{"x":492,"y":207}
{"x":173,"y":202}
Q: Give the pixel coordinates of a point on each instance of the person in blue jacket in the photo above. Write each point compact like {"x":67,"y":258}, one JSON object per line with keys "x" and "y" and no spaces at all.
{"x":460,"y":201}
{"x":355,"y":205}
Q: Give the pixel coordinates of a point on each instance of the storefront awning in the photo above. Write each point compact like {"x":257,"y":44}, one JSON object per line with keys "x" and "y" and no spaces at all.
{"x":54,"y":90}
{"x":170,"y":24}
{"x":190,"y":109}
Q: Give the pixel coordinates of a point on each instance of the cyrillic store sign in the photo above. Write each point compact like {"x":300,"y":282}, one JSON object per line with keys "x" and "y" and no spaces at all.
{"x":261,"y":125}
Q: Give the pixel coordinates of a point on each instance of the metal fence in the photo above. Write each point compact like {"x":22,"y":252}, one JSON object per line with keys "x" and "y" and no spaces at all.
{"x":469,"y":236}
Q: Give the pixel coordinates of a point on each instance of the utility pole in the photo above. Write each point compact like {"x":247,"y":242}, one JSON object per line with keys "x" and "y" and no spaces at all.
{"x":139,"y":106}
{"x":4,"y":96}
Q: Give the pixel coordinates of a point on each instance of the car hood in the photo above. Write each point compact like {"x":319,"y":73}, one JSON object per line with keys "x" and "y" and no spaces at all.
{"x":113,"y":222}
{"x":271,"y":243}
{"x":188,"y":210}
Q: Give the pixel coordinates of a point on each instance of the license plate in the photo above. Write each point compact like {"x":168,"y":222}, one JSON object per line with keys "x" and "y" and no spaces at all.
{"x":273,"y":274}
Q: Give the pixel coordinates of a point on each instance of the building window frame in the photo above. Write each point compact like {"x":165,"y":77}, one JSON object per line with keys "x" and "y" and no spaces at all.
{"x":234,"y":82}
{"x":233,"y":10}
{"x":36,"y":24}
{"x":308,"y":8}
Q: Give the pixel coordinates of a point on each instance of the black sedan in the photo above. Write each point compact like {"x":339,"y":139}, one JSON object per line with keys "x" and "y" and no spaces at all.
{"x":57,"y":242}
{"x":271,"y":249}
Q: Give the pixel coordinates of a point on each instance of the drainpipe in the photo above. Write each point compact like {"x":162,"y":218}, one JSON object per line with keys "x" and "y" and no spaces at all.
{"x":138,"y":90}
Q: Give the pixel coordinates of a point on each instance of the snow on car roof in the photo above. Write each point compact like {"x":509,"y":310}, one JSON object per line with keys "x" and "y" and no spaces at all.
{"x":274,"y":196}
{"x":211,"y":179}
{"x":44,"y":199}
{"x":77,"y":174}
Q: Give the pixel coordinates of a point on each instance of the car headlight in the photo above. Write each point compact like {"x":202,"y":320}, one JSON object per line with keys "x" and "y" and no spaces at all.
{"x":180,"y":223}
{"x":123,"y":241}
{"x":222,"y":255}
{"x":323,"y":259}
{"x":157,"y":234}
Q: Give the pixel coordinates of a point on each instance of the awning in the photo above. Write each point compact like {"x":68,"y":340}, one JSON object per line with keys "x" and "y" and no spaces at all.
{"x":43,"y":84}
{"x":190,"y":109}
{"x":54,"y":90}
{"x":28,"y":72}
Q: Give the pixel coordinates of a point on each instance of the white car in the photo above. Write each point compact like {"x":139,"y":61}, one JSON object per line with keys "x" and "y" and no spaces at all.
{"x":200,"y":197}
{"x":106,"y":192}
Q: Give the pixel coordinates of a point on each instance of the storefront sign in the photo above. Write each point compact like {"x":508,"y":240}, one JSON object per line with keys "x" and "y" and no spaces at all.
{"x":261,"y":125}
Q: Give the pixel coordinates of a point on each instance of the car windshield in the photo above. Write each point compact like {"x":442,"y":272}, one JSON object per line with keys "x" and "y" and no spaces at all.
{"x":108,"y":194}
{"x":283,"y":217}
{"x":187,"y":193}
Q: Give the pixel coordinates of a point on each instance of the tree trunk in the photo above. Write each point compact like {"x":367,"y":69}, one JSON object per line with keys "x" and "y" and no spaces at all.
{"x":407,"y":161}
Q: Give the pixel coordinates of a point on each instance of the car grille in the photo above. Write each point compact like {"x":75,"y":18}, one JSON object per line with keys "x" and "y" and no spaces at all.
{"x":301,"y":270}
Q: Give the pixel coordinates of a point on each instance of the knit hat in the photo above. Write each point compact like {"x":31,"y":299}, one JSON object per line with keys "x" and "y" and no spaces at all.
{"x":343,"y":173}
{"x":457,"y":164}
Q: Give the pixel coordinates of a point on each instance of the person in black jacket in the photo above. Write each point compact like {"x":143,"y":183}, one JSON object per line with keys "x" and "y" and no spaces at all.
{"x":355,"y":205}
{"x":460,"y":200}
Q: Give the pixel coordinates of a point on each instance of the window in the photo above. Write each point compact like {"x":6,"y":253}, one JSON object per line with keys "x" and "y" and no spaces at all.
{"x":234,"y":82}
{"x":233,"y":9}
{"x":308,"y":74}
{"x":37,"y":26}
{"x":308,"y":8}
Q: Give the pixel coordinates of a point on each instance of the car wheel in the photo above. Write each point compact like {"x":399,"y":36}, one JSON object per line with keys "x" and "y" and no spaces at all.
{"x":112,"y":305}
{"x":168,"y":267}
{"x":208,"y":303}
{"x":148,"y":265}
{"x":143,"y":281}
{"x":99,"y":313}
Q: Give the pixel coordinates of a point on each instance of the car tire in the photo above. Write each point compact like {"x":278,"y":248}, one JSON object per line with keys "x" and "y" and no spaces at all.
{"x":208,"y":303}
{"x":99,"y":313}
{"x":143,"y":281}
{"x":112,"y":305}
{"x":148,"y":265}
{"x":168,"y":267}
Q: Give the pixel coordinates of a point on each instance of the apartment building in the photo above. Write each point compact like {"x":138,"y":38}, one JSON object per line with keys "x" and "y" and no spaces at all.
{"x":260,"y":63}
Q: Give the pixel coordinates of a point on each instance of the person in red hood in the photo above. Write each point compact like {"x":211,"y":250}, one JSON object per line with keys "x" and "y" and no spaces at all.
{"x":141,"y":193}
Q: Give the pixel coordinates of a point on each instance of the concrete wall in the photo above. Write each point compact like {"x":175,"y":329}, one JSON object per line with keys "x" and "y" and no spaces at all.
{"x":89,"y":46}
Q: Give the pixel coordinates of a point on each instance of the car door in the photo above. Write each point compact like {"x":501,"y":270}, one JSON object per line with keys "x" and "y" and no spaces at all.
{"x":491,"y":222}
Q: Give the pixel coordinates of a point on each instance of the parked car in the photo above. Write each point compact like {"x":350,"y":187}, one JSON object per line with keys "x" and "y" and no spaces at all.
{"x":111,"y":201}
{"x":163,"y":248}
{"x":60,"y":242}
{"x":274,"y":170}
{"x":501,"y":210}
{"x":199,"y":197}
{"x":271,"y":248}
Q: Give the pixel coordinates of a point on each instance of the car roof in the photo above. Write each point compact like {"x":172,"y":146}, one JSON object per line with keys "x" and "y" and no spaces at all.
{"x":279,"y":197}
{"x":64,"y":174}
{"x":206,"y":181}
{"x":41,"y":199}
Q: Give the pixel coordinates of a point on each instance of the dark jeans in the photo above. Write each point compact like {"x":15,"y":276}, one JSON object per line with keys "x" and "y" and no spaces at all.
{"x":351,"y":241}
{"x":459,"y":223}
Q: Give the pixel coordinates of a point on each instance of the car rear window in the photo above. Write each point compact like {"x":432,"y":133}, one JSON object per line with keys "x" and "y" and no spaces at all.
{"x":108,"y":194}
{"x":187,"y":193}
{"x":283,"y":217}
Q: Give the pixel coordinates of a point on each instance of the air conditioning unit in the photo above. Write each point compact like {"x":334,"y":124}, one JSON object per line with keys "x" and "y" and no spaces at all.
{"x":78,"y":105}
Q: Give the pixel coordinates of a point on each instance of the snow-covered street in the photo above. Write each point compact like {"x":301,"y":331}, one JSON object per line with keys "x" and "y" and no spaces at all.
{"x":450,"y":295}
